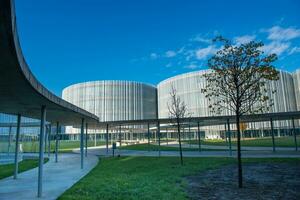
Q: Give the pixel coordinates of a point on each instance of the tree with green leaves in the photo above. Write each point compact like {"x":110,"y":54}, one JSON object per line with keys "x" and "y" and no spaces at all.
{"x":177,"y":110}
{"x":237,"y":83}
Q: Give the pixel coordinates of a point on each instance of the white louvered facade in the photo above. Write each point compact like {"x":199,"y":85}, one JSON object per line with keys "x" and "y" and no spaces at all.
{"x":113,"y":100}
{"x":189,"y":85}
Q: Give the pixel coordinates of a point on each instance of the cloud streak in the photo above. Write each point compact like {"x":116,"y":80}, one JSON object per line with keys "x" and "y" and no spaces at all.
{"x":282,"y":34}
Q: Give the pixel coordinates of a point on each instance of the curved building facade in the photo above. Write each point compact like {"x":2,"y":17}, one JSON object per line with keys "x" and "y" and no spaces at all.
{"x":189,"y":86}
{"x":296,"y":78}
{"x":114,"y":100}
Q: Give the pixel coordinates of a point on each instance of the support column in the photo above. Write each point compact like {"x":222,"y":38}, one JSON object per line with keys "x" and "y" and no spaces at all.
{"x":49,"y":141}
{"x":148,"y":126}
{"x":120,"y":140}
{"x":81,"y":142}
{"x":158,"y":134}
{"x":272,"y":133}
{"x":56,"y":141}
{"x":95,"y":139}
{"x":41,"y":151}
{"x":190,"y":134}
{"x":199,"y":137}
{"x":45,"y":138}
{"x":167,"y":134}
{"x":86,"y":139}
{"x":295,"y":134}
{"x":9,"y":140}
{"x":106,"y":139}
{"x":229,"y":137}
{"x":17,"y":146}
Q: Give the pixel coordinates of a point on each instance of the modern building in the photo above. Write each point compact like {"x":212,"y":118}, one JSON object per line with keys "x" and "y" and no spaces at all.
{"x":296,"y":78}
{"x":188,"y":87}
{"x":113,"y":100}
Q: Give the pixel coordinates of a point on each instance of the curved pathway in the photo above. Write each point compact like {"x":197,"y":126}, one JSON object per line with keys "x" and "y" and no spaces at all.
{"x":57,"y":178}
{"x":101,"y":151}
{"x":219,"y":147}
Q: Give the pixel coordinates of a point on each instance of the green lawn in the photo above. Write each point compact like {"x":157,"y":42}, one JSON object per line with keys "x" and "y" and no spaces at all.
{"x":152,"y":147}
{"x":145,"y":177}
{"x":8,"y":169}
{"x":64,"y":145}
{"x":262,"y":142}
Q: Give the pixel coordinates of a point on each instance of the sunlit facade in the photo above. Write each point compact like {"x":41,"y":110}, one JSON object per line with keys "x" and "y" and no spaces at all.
{"x":113,"y":100}
{"x":189,"y":86}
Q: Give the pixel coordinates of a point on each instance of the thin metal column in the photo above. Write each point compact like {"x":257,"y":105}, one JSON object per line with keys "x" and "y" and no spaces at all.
{"x":229,"y":137}
{"x":190,"y":134}
{"x":106,"y":139}
{"x":199,"y":136}
{"x":49,"y":140}
{"x":41,"y":151}
{"x":148,"y":126}
{"x":81,"y":142}
{"x":56,"y":141}
{"x":158,"y":134}
{"x":45,"y":138}
{"x":120,"y":140}
{"x":272,"y":132}
{"x":86,"y":139}
{"x":9,"y":140}
{"x":17,"y":147}
{"x":295,"y":134}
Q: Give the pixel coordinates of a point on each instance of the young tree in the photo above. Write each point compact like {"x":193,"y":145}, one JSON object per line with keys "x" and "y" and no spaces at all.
{"x":237,"y":83}
{"x":177,"y":110}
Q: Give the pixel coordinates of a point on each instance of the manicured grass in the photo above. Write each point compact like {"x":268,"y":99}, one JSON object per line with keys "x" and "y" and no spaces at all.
{"x":64,"y":145}
{"x":145,"y":177}
{"x":8,"y":169}
{"x":260,"y":142}
{"x":151,"y":147}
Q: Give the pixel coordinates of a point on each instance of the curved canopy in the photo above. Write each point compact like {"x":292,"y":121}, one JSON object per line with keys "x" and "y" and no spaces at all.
{"x":20,"y":92}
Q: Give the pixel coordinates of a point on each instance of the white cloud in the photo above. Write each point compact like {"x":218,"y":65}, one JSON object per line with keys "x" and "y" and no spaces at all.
{"x":153,"y":56}
{"x":282,"y":34}
{"x":244,"y":39}
{"x":203,"y":53}
{"x":199,"y":38}
{"x":170,"y":54}
{"x":191,"y":66}
{"x":276,"y":47}
{"x":294,"y":50}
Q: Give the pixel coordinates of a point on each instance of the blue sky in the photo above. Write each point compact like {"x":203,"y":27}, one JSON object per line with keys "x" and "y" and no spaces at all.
{"x":71,"y":41}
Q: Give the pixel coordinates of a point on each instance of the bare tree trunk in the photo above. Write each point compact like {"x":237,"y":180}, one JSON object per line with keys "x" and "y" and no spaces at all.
{"x":240,"y":175}
{"x":179,"y":140}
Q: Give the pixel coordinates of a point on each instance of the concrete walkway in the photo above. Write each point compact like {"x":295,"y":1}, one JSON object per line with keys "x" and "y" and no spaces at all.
{"x":58,"y":177}
{"x":243,"y":148}
{"x":101,"y":151}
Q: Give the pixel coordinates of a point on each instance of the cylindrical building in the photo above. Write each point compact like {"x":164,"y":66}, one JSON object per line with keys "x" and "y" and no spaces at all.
{"x":113,"y":100}
{"x":188,"y":87}
{"x":296,"y":78}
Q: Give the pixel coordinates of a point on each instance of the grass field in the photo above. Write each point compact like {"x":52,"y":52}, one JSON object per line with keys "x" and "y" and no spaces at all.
{"x":24,"y":165}
{"x":145,"y":177}
{"x":152,"y":147}
{"x":64,"y":145}
{"x":260,"y":142}
{"x":33,"y":146}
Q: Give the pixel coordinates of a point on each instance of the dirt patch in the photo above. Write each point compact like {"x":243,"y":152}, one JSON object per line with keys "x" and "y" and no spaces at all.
{"x":261,"y":181}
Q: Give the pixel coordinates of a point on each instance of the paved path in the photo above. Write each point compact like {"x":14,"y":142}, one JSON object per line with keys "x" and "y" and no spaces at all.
{"x":58,"y":177}
{"x":244,"y":148}
{"x":101,"y":151}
